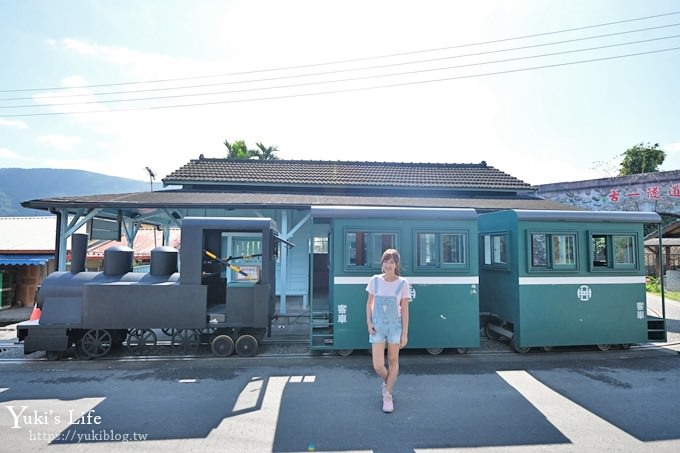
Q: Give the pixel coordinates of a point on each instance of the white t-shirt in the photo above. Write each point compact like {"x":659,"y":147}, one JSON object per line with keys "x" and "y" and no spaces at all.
{"x":388,"y":289}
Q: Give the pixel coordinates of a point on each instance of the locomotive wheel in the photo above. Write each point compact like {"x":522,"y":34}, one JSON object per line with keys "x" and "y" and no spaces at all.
{"x":604,"y":347}
{"x":246,"y":346}
{"x":222,"y":346}
{"x":95,"y":343}
{"x":462,"y":350}
{"x":344,"y":352}
{"x":140,"y":341}
{"x":171,"y":332}
{"x":186,"y":340}
{"x":434,"y":351}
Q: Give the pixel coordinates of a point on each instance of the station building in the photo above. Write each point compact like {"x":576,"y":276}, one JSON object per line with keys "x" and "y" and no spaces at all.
{"x":286,"y":190}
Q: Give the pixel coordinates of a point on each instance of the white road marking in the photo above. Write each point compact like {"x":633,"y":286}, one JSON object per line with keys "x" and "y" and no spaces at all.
{"x":248,"y":397}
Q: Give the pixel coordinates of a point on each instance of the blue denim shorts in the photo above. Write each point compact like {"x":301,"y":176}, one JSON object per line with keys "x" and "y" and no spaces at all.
{"x":390,"y":333}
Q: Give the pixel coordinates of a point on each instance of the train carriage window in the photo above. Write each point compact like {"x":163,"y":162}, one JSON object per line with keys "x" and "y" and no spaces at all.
{"x":539,"y":250}
{"x":553,"y":251}
{"x":563,"y":249}
{"x":365,"y":248}
{"x":440,"y":249}
{"x":495,"y":249}
{"x":624,"y":250}
{"x":613,"y":251}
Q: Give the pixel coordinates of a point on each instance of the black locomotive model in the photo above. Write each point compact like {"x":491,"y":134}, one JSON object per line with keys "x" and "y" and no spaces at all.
{"x":212,"y":299}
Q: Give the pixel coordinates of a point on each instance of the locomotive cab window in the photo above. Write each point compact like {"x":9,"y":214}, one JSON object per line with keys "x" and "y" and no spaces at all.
{"x":552,"y":251}
{"x":613,"y":251}
{"x":495,"y":250}
{"x":441,"y":250}
{"x":364,"y":249}
{"x":245,"y":249}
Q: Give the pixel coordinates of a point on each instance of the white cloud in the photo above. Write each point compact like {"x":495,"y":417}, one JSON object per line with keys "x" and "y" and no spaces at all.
{"x":8,"y":154}
{"x":672,"y":147}
{"x":61,"y":142}
{"x":139,"y":64}
{"x":17,"y":124}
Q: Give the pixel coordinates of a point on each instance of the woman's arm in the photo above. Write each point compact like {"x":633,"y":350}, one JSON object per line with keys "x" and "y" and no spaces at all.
{"x":404,"y":322}
{"x":369,"y":314}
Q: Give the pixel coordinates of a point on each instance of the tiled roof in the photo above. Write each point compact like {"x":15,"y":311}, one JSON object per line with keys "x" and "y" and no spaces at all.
{"x":210,"y":171}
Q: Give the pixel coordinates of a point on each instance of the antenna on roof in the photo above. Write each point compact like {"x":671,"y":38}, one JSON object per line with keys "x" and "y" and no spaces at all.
{"x":152,"y":176}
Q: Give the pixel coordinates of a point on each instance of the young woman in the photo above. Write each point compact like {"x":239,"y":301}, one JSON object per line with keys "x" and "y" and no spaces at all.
{"x":387,"y":319}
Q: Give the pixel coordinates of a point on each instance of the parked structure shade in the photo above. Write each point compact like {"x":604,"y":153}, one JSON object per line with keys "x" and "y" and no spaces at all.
{"x":24,"y":260}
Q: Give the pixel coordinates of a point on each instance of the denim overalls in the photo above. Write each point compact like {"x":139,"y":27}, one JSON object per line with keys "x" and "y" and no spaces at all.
{"x":386,"y":317}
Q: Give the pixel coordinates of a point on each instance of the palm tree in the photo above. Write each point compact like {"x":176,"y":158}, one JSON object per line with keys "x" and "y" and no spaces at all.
{"x":266,"y":152}
{"x":238,"y":150}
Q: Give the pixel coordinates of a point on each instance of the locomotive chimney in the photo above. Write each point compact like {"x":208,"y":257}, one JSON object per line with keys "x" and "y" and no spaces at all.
{"x":78,"y":252}
{"x":164,"y":260}
{"x":118,"y":260}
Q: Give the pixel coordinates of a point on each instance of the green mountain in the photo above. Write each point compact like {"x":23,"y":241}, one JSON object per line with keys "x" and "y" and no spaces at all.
{"x":23,"y":184}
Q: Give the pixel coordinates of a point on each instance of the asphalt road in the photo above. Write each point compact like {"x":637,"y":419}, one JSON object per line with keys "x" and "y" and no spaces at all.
{"x":573,"y":400}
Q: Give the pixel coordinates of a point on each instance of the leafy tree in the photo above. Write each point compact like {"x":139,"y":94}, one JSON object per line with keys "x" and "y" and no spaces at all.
{"x":266,"y":152}
{"x":239,"y":150}
{"x":642,"y":158}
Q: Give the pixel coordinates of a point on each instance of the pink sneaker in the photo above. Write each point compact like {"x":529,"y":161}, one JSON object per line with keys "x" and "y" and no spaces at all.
{"x":388,"y":404}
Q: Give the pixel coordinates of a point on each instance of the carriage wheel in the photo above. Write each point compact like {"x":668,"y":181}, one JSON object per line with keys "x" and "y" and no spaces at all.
{"x":186,"y":340}
{"x":604,"y":347}
{"x":434,"y":351}
{"x":140,"y":341}
{"x":462,"y":350}
{"x":95,"y":343}
{"x":516,"y":348}
{"x":246,"y":346}
{"x":222,"y":346}
{"x":344,"y":352}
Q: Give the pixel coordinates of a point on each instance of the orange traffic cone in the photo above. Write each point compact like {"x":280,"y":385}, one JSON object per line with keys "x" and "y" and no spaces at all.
{"x":35,"y":314}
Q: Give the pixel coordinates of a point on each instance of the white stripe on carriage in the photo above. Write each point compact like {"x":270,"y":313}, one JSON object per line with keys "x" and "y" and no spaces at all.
{"x":608,"y":280}
{"x":468,"y":280}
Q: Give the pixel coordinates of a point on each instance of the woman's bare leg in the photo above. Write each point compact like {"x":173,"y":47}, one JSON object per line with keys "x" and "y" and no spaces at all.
{"x":393,"y":365}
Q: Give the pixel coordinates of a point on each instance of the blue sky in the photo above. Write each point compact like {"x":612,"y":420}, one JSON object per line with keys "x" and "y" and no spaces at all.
{"x":399,"y":81}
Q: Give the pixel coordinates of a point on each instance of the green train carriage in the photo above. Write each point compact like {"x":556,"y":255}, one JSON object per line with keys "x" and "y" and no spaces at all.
{"x":564,"y":278}
{"x":438,"y":257}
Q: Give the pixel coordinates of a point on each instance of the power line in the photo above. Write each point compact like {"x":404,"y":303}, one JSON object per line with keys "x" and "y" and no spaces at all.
{"x":365,"y":68}
{"x":347,"y":90}
{"x":352,"y":79}
{"x":352,"y":60}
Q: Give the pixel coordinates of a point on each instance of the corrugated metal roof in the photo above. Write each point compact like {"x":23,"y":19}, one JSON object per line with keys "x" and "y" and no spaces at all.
{"x":311,"y":173}
{"x":145,"y":240}
{"x":27,"y":234}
